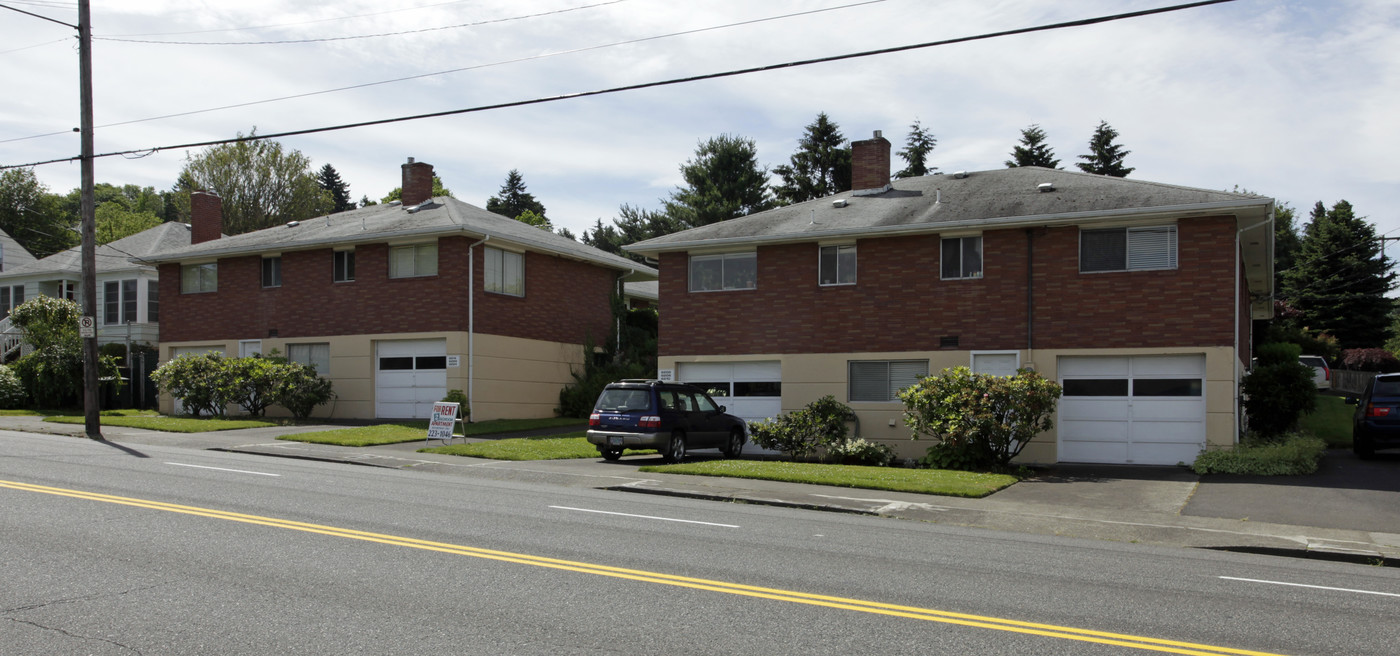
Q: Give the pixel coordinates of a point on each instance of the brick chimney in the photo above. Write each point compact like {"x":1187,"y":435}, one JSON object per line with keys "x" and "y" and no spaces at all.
{"x":206,"y":217}
{"x":417,"y":182}
{"x":870,"y":165}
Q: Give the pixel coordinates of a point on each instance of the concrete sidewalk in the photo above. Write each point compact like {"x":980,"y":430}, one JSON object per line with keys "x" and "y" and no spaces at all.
{"x":1349,"y":510}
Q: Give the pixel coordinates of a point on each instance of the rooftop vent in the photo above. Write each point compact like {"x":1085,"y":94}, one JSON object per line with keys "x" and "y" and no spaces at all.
{"x":395,"y":203}
{"x":960,"y":174}
{"x":840,"y":202}
{"x":293,"y":224}
{"x":1045,"y":186}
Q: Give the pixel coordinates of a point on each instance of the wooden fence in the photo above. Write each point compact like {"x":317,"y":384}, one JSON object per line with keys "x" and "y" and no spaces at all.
{"x":1350,"y":382}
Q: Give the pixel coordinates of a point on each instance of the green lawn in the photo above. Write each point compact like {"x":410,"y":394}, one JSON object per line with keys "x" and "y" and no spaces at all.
{"x":554,"y":447}
{"x":895,"y":479}
{"x":1331,"y":421}
{"x":412,"y":431}
{"x":149,"y":420}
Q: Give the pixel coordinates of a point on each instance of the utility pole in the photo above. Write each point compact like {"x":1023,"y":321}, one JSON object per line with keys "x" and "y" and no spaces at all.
{"x":88,"y":326}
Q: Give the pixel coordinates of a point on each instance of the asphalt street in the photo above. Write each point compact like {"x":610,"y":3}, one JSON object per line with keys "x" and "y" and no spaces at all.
{"x":121,"y":548}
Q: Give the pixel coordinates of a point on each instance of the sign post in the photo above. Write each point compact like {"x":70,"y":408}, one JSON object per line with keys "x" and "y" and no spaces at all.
{"x":444,"y":422}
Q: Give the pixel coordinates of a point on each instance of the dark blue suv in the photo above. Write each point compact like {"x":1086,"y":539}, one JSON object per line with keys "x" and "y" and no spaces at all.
{"x":1376,"y":423}
{"x":668,"y":417}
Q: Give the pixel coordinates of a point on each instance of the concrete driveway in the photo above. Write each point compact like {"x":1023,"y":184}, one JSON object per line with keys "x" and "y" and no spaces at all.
{"x":1346,"y":492}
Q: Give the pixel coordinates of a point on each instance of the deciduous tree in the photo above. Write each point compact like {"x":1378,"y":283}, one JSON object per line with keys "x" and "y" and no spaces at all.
{"x":32,"y":216}
{"x":261,"y":183}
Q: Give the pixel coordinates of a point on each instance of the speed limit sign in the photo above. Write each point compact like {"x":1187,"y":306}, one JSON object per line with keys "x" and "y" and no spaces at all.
{"x":87,"y":327}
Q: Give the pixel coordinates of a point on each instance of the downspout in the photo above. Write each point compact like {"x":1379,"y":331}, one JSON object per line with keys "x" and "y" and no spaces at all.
{"x":1239,"y":365}
{"x":471,"y":326}
{"x":623,"y":295}
{"x":1030,"y":297}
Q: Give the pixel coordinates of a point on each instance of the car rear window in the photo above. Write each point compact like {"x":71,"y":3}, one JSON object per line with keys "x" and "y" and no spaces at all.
{"x":624,"y":400}
{"x":1313,"y":362}
{"x":1386,"y":387}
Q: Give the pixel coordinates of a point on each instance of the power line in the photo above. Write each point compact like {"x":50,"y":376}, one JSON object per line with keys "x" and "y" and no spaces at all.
{"x":37,"y":45}
{"x":307,"y":22}
{"x":458,"y":70}
{"x":361,"y":36}
{"x":661,"y":83}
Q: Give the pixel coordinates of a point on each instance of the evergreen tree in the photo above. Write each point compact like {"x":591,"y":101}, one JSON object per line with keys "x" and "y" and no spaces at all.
{"x":820,"y":167}
{"x":1340,"y":277}
{"x":513,"y":201}
{"x":1105,"y":157}
{"x":1033,"y":151}
{"x":722,"y":181}
{"x":631,"y":226}
{"x":917,"y":146}
{"x":366,"y":202}
{"x":339,"y":191}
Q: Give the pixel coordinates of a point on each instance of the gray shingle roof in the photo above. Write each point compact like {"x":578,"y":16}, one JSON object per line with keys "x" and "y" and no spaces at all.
{"x":440,"y":217}
{"x":982,"y":199}
{"x":14,"y":255}
{"x":115,"y":256}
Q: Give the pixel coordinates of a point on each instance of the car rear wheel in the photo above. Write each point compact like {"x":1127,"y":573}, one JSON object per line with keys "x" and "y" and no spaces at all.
{"x":612,"y":453}
{"x":1362,"y":448}
{"x":675,"y":449}
{"x":735,"y":446}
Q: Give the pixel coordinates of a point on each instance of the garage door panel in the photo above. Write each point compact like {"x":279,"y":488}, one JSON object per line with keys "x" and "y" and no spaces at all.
{"x":413,"y":380}
{"x":1193,"y":366}
{"x":738,"y":379}
{"x":1183,"y":432}
{"x":1096,"y":431}
{"x":1094,"y":367}
{"x":1163,"y":454}
{"x":1167,"y":409}
{"x":1094,"y":452}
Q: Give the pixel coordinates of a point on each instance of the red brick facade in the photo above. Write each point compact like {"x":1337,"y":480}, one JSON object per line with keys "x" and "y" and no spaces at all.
{"x":565,"y":300}
{"x":899,"y":302}
{"x":870,"y":163}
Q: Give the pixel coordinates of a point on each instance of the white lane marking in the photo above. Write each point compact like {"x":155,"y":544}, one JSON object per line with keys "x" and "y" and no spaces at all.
{"x":1315,"y":587}
{"x":236,"y":471}
{"x":664,"y":519}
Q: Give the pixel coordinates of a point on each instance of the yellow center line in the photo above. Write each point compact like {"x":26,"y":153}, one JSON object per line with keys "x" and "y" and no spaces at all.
{"x":910,"y":612}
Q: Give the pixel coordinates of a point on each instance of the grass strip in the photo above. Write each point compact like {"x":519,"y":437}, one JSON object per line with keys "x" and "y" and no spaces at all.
{"x":922,"y":481}
{"x":168,"y":424}
{"x":554,"y":447}
{"x":1331,"y":421}
{"x":417,"y":431}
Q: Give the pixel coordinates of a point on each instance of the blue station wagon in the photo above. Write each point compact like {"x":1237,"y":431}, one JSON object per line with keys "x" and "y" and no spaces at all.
{"x":669,"y":417}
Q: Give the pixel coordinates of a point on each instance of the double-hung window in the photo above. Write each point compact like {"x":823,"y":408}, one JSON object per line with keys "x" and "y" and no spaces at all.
{"x":505,"y":272}
{"x":10,"y":297}
{"x":1127,"y":249}
{"x":272,"y":271}
{"x":343,"y":264}
{"x":712,"y":273}
{"x":119,"y":302}
{"x":962,"y":258}
{"x":413,"y":261}
{"x":152,"y":301}
{"x":837,"y":265}
{"x":880,"y":381}
{"x":197,"y":278}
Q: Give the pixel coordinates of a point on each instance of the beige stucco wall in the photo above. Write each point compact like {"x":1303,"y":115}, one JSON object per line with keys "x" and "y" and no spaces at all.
{"x":513,"y":378}
{"x":808,"y":377}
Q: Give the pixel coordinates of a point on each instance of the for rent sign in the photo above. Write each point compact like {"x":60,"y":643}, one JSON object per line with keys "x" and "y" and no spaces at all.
{"x":443,"y":421}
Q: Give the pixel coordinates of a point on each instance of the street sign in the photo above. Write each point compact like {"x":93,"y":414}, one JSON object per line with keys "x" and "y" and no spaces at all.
{"x":87,"y":327}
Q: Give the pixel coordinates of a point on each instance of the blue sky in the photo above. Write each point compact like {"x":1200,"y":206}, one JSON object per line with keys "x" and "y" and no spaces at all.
{"x":1290,"y":99}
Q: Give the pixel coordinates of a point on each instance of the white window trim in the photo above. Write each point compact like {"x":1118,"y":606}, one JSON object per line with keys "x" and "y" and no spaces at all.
{"x":838,"y":247}
{"x":501,"y":274}
{"x":334,"y":271}
{"x":960,"y":238}
{"x":215,"y":269}
{"x":972,"y":358}
{"x":690,"y":279}
{"x":243,"y":345}
{"x":1174,"y":256}
{"x":415,"y":247}
{"x":262,"y":271}
{"x":892,"y":392}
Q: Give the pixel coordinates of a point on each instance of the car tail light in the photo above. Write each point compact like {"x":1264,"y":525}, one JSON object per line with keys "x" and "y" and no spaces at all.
{"x":1327,"y":373}
{"x":649,"y":421}
{"x":1377,"y":411}
{"x":594,"y":420}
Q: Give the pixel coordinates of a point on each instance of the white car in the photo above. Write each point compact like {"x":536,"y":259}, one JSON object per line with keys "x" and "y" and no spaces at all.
{"x":1322,"y":374}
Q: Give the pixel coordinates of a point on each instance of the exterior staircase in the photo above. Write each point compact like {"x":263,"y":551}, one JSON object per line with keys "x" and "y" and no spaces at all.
{"x":11,"y":340}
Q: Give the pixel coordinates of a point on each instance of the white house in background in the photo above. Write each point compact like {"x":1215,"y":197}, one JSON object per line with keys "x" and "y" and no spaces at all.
{"x":128,"y":300}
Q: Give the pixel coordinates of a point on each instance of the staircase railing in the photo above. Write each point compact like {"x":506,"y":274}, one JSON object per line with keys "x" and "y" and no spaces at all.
{"x":11,"y":339}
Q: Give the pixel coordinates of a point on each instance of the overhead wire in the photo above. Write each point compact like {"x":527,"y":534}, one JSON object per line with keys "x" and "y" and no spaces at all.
{"x":461,"y":69}
{"x":360,"y":36}
{"x":661,"y":83}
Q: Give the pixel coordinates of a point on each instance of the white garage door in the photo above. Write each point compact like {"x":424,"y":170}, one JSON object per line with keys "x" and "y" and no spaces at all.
{"x":175,"y":352}
{"x":751,"y":391}
{"x":409,"y":376}
{"x":1142,"y":410}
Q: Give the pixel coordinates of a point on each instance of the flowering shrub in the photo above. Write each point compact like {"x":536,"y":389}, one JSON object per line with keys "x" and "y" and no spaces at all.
{"x":985,"y":420}
{"x":801,"y":433}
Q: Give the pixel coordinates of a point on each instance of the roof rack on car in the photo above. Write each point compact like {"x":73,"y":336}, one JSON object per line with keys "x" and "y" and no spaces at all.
{"x":639,"y":380}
